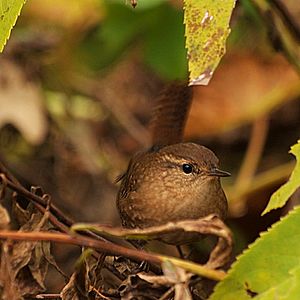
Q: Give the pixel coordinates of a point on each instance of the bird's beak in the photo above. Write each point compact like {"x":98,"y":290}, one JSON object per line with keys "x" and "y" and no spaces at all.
{"x":217,"y":172}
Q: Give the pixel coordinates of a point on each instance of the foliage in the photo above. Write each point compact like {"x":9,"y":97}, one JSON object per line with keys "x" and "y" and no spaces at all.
{"x":9,"y":12}
{"x":207,"y":28}
{"x":269,"y":268}
{"x":282,"y":195}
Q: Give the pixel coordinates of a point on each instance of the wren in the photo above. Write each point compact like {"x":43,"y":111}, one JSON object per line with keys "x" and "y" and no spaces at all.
{"x":171,"y":182}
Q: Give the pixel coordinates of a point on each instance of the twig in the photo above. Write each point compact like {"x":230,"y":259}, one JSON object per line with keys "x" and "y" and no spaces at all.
{"x":115,"y":272}
{"x":47,"y":296}
{"x":12,"y":183}
{"x":8,"y":174}
{"x":167,"y":294}
{"x":56,"y":216}
{"x":112,"y":249}
{"x":41,"y":203}
{"x":210,"y":225}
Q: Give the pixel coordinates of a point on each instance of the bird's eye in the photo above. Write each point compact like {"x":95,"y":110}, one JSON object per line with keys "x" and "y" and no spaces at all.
{"x":187,"y":168}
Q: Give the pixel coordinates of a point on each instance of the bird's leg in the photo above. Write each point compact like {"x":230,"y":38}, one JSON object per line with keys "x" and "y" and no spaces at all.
{"x":192,"y":249}
{"x":181,"y":254}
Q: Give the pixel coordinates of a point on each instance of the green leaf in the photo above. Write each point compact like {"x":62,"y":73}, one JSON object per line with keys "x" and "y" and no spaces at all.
{"x":270,"y":268}
{"x":282,"y":195}
{"x":287,"y":289}
{"x":9,"y":12}
{"x":206,"y":30}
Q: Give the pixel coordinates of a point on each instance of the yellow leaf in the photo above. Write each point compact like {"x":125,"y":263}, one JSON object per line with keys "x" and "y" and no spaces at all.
{"x":206,"y":30}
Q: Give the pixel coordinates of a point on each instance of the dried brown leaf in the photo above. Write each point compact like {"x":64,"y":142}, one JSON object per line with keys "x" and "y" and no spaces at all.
{"x":157,"y":280}
{"x":173,"y":276}
{"x":173,"y":231}
{"x":95,"y":274}
{"x":182,"y":292}
{"x":4,"y":218}
{"x":79,"y":284}
{"x":87,"y":278}
{"x":71,"y":291}
{"x":181,"y":280}
{"x":9,"y":289}
{"x":21,"y":215}
{"x":134,"y":287}
{"x":27,"y":261}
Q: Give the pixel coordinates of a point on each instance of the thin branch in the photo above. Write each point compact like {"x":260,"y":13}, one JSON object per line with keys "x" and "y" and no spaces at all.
{"x":210,"y":225}
{"x":8,"y":174}
{"x":56,"y":216}
{"x":47,"y":296}
{"x":39,"y":200}
{"x":14,"y":184}
{"x":112,"y":249}
{"x":167,"y":294}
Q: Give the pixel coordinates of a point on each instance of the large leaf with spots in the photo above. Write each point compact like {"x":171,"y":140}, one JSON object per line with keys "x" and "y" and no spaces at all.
{"x":9,"y":12}
{"x":206,"y":29}
{"x":269,"y":268}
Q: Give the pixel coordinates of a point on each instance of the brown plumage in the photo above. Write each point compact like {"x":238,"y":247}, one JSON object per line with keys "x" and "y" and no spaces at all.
{"x":170,"y":114}
{"x":171,"y":182}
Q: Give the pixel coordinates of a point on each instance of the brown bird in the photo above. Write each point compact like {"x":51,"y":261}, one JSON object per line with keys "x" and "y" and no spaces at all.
{"x":171,"y":181}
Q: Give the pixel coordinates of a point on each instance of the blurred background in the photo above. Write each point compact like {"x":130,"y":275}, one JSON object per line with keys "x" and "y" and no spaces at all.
{"x":78,"y":80}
